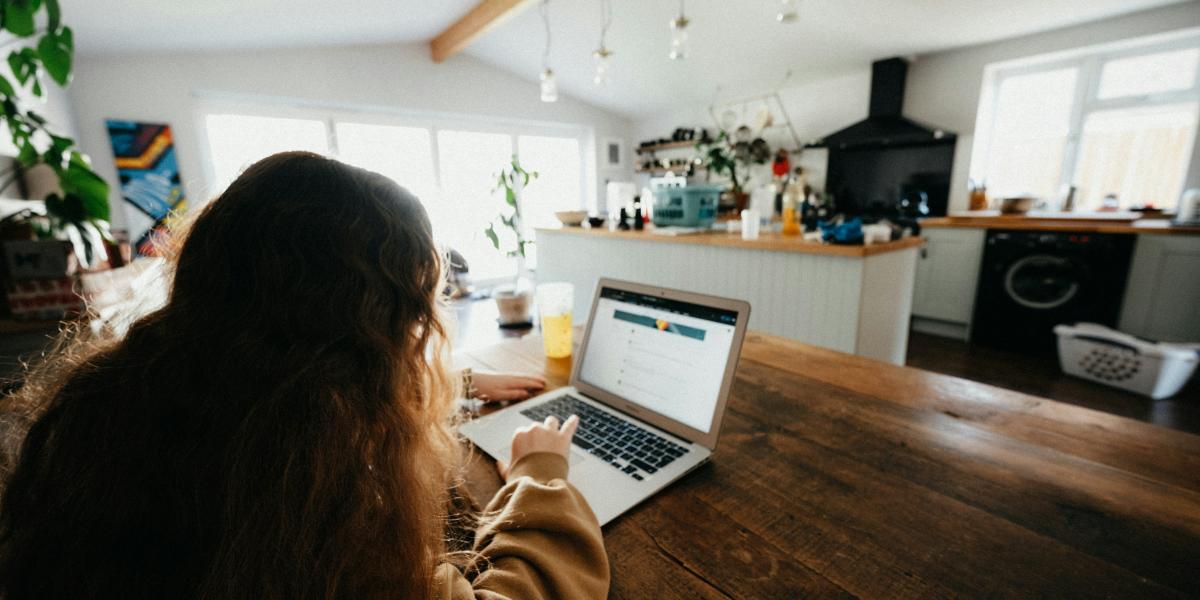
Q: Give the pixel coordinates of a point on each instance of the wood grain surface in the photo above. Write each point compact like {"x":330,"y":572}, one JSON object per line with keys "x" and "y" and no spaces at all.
{"x":837,"y":476}
{"x":766,"y":241}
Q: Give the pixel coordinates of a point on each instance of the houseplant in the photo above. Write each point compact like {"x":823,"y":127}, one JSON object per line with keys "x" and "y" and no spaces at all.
{"x":724,"y":156}
{"x":77,"y":211}
{"x":509,"y":236}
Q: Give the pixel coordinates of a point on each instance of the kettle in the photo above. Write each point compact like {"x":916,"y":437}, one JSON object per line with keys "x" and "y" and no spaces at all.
{"x":1188,"y":212}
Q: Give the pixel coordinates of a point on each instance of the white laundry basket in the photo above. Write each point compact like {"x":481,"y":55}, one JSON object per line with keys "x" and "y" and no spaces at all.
{"x":1113,"y":358}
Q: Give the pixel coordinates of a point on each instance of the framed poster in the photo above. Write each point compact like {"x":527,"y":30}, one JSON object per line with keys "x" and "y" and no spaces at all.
{"x":613,"y":154}
{"x":149,"y":175}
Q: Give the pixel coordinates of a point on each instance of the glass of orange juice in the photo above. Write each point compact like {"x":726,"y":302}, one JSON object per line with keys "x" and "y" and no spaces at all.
{"x":555,"y":302}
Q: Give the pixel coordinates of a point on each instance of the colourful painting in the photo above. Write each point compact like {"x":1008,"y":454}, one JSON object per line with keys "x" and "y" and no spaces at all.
{"x":149,"y":174}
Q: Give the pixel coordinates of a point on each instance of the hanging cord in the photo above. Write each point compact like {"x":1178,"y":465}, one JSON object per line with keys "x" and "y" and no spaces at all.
{"x":545,"y":10}
{"x":606,"y":20}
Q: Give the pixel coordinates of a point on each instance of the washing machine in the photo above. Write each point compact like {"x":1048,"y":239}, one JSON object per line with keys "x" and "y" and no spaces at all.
{"x":1031,"y":281}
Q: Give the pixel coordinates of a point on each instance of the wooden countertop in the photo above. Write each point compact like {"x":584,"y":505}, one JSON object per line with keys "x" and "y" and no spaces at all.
{"x":839,"y":476}
{"x":1019,"y":222}
{"x":766,"y":241}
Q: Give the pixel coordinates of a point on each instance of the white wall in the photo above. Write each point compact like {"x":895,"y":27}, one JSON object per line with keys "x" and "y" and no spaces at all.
{"x":943,"y":88}
{"x":169,"y":88}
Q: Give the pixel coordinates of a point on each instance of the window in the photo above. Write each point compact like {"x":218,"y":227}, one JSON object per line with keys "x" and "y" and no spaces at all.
{"x":1111,"y":122}
{"x":237,"y":141}
{"x":451,"y":169}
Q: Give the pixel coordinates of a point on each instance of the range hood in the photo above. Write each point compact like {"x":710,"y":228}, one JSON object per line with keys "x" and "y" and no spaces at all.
{"x":885,"y":126}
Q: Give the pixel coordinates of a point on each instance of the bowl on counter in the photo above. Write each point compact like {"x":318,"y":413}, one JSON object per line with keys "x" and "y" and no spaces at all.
{"x":596,"y":222}
{"x":571,"y":218}
{"x":1017,"y":205}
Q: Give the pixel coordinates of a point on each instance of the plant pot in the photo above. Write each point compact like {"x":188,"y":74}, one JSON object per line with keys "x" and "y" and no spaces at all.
{"x":514,"y":307}
{"x":740,"y":201}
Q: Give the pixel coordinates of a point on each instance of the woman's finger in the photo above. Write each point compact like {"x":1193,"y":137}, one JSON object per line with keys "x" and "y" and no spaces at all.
{"x":569,"y":427}
{"x":551,"y":422}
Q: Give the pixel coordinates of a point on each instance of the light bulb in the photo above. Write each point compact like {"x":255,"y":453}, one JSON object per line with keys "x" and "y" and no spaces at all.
{"x":679,"y":38}
{"x":788,"y":11}
{"x":602,"y":64}
{"x":549,"y":86}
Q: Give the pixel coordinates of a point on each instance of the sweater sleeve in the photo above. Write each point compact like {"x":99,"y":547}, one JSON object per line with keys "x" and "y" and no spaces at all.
{"x":538,"y":540}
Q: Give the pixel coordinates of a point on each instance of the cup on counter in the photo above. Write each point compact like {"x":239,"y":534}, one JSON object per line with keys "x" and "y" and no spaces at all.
{"x":555,"y":302}
{"x":750,"y":224}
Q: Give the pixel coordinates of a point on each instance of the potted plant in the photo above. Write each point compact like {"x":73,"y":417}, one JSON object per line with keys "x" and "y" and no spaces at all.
{"x":508,"y":235}
{"x":724,"y":156}
{"x":76,"y":209}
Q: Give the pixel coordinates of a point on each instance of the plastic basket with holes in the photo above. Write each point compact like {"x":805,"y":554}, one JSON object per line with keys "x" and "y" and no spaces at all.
{"x":1113,"y":358}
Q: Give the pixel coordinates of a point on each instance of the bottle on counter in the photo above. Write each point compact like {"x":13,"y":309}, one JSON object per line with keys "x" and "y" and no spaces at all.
{"x":979,"y":199}
{"x":792,"y":197}
{"x":639,"y":219}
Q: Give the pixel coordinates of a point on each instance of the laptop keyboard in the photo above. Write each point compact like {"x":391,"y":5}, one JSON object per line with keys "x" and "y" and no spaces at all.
{"x":625,"y":446}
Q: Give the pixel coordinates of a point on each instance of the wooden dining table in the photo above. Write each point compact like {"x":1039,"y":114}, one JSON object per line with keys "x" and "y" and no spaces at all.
{"x":839,"y":476}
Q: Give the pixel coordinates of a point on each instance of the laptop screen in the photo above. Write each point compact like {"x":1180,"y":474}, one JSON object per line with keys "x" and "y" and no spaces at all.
{"x":665,"y":355}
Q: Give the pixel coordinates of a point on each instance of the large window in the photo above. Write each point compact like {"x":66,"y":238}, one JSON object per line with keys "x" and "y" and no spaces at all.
{"x":1116,"y":122}
{"x":450,"y":167}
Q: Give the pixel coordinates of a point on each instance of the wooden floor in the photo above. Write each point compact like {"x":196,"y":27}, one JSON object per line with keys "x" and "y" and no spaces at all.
{"x":1039,"y":375}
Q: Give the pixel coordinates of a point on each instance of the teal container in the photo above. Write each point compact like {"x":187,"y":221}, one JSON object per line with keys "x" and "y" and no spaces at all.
{"x":691,"y":206}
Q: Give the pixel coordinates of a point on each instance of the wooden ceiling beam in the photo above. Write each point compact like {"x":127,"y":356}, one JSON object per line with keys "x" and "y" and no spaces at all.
{"x":486,"y":15}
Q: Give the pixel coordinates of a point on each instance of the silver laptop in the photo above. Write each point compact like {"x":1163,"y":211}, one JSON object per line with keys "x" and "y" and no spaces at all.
{"x":650,"y":382}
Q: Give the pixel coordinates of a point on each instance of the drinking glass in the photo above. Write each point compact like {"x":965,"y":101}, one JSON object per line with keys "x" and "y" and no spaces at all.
{"x":555,"y":302}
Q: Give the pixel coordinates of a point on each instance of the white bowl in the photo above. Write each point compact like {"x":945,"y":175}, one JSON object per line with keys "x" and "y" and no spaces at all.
{"x":571,"y":218}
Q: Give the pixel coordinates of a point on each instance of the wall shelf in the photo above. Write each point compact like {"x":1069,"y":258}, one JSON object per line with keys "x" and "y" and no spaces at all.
{"x":667,"y":146}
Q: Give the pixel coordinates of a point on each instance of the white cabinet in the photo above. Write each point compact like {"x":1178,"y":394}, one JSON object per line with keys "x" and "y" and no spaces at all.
{"x":1162,"y":297}
{"x":947,"y":273}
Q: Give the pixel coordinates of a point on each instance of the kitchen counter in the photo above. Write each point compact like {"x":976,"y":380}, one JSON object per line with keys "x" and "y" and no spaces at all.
{"x":850,"y":298}
{"x":766,"y":241}
{"x":1080,"y":225}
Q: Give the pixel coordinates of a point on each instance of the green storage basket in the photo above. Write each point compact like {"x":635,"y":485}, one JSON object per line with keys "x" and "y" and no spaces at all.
{"x":691,"y":206}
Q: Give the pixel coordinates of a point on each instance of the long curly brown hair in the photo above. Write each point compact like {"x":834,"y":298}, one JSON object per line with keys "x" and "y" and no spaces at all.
{"x":279,"y":429}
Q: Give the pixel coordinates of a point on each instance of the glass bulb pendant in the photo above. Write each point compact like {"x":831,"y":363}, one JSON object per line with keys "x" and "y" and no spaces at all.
{"x":789,"y":11}
{"x":602,"y":65}
{"x":549,"y":86}
{"x":679,"y":38}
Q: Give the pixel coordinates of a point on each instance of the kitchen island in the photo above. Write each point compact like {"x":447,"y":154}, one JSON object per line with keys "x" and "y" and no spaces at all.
{"x":854,"y":299}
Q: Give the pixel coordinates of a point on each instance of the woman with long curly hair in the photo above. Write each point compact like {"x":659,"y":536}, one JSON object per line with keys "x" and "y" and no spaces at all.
{"x":281,"y":428}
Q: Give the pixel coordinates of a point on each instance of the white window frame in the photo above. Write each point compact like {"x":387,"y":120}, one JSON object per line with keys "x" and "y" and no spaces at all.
{"x":1089,"y":63}
{"x":212,"y":103}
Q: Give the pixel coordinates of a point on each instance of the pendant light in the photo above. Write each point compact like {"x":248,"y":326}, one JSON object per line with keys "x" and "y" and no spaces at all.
{"x":602,"y":54}
{"x":549,"y":86}
{"x":679,"y":35}
{"x":789,"y":11}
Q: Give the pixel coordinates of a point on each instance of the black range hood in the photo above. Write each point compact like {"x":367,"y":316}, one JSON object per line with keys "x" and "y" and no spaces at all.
{"x":885,"y":126}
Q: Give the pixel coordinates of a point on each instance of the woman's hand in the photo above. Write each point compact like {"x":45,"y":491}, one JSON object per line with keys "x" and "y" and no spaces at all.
{"x":496,"y":387}
{"x":540,"y":437}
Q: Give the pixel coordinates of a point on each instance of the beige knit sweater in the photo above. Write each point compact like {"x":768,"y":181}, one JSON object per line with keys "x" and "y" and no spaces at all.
{"x":541,"y":542}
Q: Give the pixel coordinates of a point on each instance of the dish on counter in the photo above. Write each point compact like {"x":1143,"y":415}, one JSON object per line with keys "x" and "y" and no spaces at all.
{"x":571,"y":218}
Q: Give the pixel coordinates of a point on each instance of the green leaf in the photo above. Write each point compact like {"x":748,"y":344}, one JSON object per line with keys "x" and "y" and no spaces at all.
{"x":6,"y":87}
{"x":80,"y":181}
{"x":53,"y":15}
{"x":490,"y":232}
{"x":55,"y":49}
{"x":510,"y":196}
{"x":27,"y":155}
{"x":24,"y":64}
{"x":18,"y":16}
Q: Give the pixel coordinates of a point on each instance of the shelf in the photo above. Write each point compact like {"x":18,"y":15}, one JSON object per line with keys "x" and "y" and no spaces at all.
{"x":666,"y":146}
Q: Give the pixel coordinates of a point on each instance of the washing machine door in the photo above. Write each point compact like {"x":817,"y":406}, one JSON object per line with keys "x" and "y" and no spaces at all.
{"x":1043,"y":281}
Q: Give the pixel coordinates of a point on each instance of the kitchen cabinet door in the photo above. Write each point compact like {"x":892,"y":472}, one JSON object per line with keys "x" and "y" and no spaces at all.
{"x":1162,"y":298}
{"x":947,"y":273}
